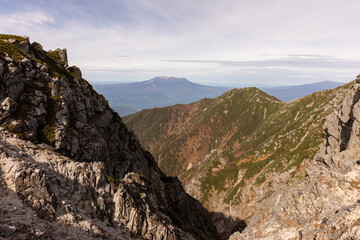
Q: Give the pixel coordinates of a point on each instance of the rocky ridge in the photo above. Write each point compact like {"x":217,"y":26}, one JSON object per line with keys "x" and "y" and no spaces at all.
{"x":69,"y":159}
{"x":325,"y":204}
{"x":189,"y":132}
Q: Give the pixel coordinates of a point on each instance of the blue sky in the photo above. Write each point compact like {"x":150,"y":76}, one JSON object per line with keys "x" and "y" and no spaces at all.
{"x":218,"y":42}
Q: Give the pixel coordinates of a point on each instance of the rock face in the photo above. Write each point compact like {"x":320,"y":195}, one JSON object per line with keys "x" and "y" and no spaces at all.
{"x":66,"y":156}
{"x":325,"y":204}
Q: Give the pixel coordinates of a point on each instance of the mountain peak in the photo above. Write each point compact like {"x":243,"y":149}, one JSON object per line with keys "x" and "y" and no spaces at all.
{"x":166,"y":79}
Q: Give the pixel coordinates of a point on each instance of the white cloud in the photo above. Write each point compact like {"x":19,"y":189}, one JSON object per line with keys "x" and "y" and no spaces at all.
{"x":28,"y":19}
{"x":233,"y":39}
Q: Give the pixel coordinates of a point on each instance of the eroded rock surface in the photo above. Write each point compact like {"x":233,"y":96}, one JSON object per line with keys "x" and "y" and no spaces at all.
{"x":68,"y":160}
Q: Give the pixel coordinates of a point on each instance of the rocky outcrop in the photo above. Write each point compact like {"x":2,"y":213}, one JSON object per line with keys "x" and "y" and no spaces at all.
{"x":342,"y":124}
{"x":69,"y":158}
{"x":325,"y":204}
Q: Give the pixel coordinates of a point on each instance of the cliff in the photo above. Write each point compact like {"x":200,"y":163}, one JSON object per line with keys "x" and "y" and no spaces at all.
{"x":70,"y":166}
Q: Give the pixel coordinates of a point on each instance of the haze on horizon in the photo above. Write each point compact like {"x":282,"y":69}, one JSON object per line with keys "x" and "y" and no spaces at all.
{"x":217,"y":42}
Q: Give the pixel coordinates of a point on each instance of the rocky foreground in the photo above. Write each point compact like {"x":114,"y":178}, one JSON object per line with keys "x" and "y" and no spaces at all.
{"x":69,"y":167}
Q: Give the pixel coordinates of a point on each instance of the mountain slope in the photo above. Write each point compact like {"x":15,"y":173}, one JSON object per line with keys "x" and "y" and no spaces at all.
{"x":247,"y":155}
{"x":324,"y":204}
{"x":68,"y":158}
{"x":157,"y":92}
{"x":188,"y":132}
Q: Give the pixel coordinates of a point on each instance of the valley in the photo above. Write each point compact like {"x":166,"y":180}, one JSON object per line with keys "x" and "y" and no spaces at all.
{"x":233,"y":152}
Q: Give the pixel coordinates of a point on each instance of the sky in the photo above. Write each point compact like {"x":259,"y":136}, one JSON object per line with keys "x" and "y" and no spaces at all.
{"x":216,"y":42}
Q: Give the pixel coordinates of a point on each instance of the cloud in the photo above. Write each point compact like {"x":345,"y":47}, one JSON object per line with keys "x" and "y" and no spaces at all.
{"x":29,"y":19}
{"x":204,"y":39}
{"x":291,"y":61}
{"x":118,"y":70}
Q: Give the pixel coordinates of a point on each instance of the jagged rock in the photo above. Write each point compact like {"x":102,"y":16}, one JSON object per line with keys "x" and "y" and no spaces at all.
{"x":23,"y":44}
{"x":30,"y":74}
{"x":8,"y":104}
{"x":40,"y":110}
{"x":38,"y":233}
{"x":6,"y":230}
{"x":44,"y":68}
{"x":63,"y":56}
{"x":37,"y":46}
{"x":32,"y":186}
{"x":15,"y":90}
{"x":74,"y":165}
{"x":62,"y":117}
{"x":66,"y":186}
{"x":77,"y":71}
{"x":13,"y":69}
{"x":235,"y":236}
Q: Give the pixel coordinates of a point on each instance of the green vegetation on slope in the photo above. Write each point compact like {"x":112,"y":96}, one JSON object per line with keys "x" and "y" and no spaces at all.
{"x":260,"y":135}
{"x":11,"y":50}
{"x":8,"y":36}
{"x":188,"y":132}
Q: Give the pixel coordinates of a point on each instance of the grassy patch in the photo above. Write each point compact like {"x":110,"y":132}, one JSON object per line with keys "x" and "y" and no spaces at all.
{"x":46,"y":131}
{"x":8,"y":36}
{"x":53,"y":55}
{"x":110,"y":179}
{"x":37,"y":60}
{"x":11,"y":50}
{"x":253,"y":168}
{"x":232,"y":191}
{"x":217,"y":180}
{"x":72,"y":71}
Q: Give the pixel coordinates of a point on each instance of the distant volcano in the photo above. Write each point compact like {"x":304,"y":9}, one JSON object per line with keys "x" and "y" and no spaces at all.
{"x":127,"y":98}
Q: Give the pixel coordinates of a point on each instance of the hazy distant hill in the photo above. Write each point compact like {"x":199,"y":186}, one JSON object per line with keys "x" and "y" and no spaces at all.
{"x":287,"y":93}
{"x":127,"y":98}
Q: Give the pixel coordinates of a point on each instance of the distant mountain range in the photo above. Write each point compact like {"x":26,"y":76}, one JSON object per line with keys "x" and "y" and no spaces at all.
{"x":128,"y":98}
{"x":287,"y":93}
